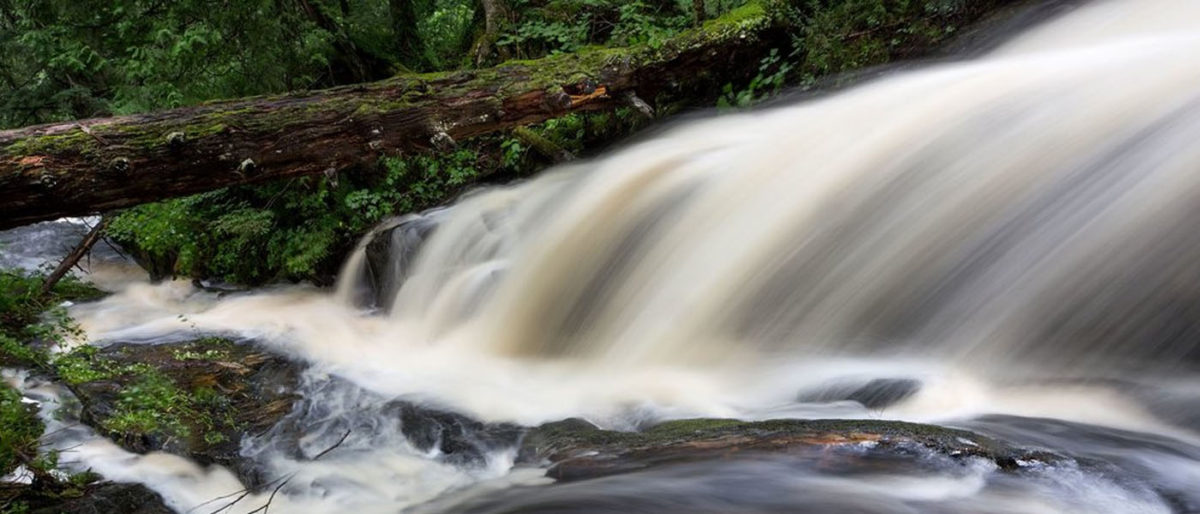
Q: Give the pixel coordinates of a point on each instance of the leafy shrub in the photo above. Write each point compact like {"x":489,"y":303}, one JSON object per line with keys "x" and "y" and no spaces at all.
{"x":292,"y":230}
{"x":560,"y":26}
{"x":19,"y":431}
{"x":26,"y":314}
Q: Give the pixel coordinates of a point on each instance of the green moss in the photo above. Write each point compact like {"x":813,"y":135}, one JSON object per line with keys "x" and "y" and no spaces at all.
{"x":74,"y":140}
{"x":577,"y":435}
{"x":748,"y":16}
{"x":164,"y":397}
{"x":681,"y":428}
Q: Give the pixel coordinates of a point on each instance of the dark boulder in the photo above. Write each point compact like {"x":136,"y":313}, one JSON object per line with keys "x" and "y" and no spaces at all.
{"x":575,"y":449}
{"x":877,"y":393}
{"x":335,"y":416}
{"x":94,"y":498}
{"x":197,"y":399}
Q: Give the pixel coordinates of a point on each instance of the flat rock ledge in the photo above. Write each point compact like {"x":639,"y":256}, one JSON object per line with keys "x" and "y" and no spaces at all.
{"x":575,"y":449}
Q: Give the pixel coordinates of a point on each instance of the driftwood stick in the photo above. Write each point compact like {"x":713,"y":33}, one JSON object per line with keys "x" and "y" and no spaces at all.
{"x":73,"y":258}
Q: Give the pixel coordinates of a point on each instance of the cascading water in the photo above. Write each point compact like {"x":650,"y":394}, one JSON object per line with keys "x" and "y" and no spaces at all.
{"x":1010,"y":237}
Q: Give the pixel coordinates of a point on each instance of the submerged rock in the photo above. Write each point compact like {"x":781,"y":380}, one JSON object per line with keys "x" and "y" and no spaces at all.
{"x":338,"y":418}
{"x":877,"y":393}
{"x":457,"y":438}
{"x":576,"y":449}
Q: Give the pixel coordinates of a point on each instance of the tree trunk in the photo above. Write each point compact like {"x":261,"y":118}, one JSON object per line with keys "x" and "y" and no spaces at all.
{"x":404,"y":30}
{"x":77,"y":168}
{"x":494,"y":11}
{"x":349,"y":64}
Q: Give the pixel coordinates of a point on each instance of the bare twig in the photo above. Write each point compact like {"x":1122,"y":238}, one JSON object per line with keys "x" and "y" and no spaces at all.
{"x":285,"y":479}
{"x":267,"y":506}
{"x":335,"y":445}
{"x":242,"y":492}
{"x":69,"y":262}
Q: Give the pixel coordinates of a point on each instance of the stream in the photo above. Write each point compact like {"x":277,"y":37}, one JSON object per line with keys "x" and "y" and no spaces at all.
{"x":1005,"y":245}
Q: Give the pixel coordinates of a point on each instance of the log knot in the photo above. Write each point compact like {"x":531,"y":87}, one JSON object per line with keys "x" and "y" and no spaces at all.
{"x":119,"y":166}
{"x":176,"y":140}
{"x":247,"y":167}
{"x":47,"y":180}
{"x":442,"y":141}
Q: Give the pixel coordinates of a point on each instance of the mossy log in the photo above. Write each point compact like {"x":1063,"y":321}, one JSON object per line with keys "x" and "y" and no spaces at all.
{"x":95,"y":165}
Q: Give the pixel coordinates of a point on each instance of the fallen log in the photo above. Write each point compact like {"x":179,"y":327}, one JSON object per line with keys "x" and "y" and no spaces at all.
{"x":95,"y":165}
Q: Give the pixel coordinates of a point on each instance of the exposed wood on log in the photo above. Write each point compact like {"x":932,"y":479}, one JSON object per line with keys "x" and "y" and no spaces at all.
{"x":77,"y":168}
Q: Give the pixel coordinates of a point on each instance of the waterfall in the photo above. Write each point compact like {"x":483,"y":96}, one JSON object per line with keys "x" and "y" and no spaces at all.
{"x":1007,"y":235}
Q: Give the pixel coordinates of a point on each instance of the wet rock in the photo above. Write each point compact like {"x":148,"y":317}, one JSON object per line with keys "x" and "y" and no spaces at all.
{"x":197,"y":399}
{"x":96,"y":498}
{"x":390,"y":251}
{"x":458,"y":439}
{"x":878,"y":393}
{"x":576,"y":449}
{"x":337,"y":418}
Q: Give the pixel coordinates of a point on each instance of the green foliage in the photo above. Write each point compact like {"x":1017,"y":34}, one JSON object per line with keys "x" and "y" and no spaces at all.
{"x":560,"y":26}
{"x":150,"y":402}
{"x":19,"y":430}
{"x":83,"y":364}
{"x":831,"y":37}
{"x":294,"y":230}
{"x":26,"y":315}
{"x":770,"y":80}
{"x":68,"y":59}
{"x":153,"y":404}
{"x":210,"y":354}
{"x":836,"y":36}
{"x":446,"y":31}
{"x":512,"y":153}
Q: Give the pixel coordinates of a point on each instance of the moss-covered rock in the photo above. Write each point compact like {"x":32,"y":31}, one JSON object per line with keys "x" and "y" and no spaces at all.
{"x":576,"y":449}
{"x":196,"y":399}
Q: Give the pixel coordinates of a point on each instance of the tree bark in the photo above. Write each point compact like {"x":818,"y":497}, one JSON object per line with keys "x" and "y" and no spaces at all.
{"x":494,"y":12}
{"x":77,"y":168}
